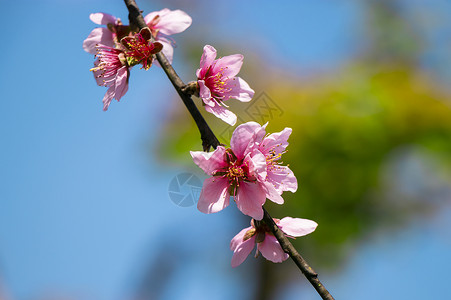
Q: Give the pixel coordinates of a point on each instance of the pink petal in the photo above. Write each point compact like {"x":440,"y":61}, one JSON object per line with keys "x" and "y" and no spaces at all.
{"x":271,"y":249}
{"x":296,"y":226}
{"x":276,"y":141}
{"x":241,"y":249}
{"x":229,"y":65}
{"x":121,"y":82}
{"x":250,"y":198}
{"x":208,"y":57}
{"x":209,"y":162}
{"x":98,"y":36}
{"x":172,"y":22}
{"x":239,"y":90}
{"x":150,"y":16}
{"x":282,"y":178}
{"x":214,"y":196}
{"x":242,"y":136}
{"x":109,"y":95}
{"x":168,"y":50}
{"x":258,"y":136}
{"x":272,"y":194}
{"x":102,"y":18}
{"x":256,"y":163}
{"x":222,"y":113}
{"x":205,"y":93}
{"x":238,"y":239}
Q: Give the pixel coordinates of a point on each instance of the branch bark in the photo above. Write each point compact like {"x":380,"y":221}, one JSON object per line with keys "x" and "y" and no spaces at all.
{"x":210,"y":140}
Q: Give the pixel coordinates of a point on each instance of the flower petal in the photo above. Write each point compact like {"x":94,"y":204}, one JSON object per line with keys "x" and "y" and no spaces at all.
{"x":121,"y":83}
{"x":98,"y":36}
{"x":296,"y":226}
{"x":272,"y":194}
{"x":205,"y":93}
{"x":276,"y":142}
{"x":239,"y":238}
{"x":282,"y":178}
{"x":271,"y":249}
{"x":250,"y":198}
{"x":150,"y":16}
{"x":209,"y":162}
{"x":239,"y":90}
{"x":214,"y":196}
{"x":208,"y":57}
{"x":222,"y":113}
{"x":229,"y":65}
{"x":168,"y":50}
{"x":102,"y":18}
{"x":256,"y":164}
{"x":109,"y":95}
{"x":241,"y":249}
{"x":242,"y":136}
{"x":172,"y":22}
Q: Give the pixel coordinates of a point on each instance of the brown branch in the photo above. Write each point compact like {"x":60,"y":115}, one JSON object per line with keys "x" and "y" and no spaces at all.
{"x":308,"y":272}
{"x":206,"y":134}
{"x":210,"y":140}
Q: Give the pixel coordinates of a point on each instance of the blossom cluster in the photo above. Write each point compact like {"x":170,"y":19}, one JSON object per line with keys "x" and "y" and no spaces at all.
{"x":118,"y":49}
{"x":250,"y":170}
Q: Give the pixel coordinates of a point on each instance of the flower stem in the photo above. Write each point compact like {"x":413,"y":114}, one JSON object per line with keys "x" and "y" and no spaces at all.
{"x":210,"y":140}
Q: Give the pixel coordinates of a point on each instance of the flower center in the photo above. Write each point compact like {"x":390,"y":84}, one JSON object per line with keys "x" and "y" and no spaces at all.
{"x":140,"y":48}
{"x":235,"y":173}
{"x":217,"y":84}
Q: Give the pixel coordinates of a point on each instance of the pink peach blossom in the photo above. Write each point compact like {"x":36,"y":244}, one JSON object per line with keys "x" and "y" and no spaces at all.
{"x":111,"y":70}
{"x":240,"y":171}
{"x":164,"y":23}
{"x":232,"y":175}
{"x":218,"y":83}
{"x":112,"y":67}
{"x":267,"y":244}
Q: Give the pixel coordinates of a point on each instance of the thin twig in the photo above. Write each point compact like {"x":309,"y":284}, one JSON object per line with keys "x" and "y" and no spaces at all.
{"x":308,"y":272}
{"x":206,"y":134}
{"x":209,"y":140}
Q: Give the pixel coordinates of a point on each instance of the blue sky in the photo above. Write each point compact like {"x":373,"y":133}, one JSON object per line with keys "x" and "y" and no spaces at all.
{"x":83,"y":207}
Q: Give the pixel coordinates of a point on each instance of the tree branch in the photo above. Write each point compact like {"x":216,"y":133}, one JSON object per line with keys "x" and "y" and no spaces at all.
{"x":210,"y":140}
{"x":206,"y":134}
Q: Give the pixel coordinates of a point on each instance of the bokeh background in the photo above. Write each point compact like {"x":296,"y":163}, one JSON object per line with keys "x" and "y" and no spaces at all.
{"x":84,"y":206}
